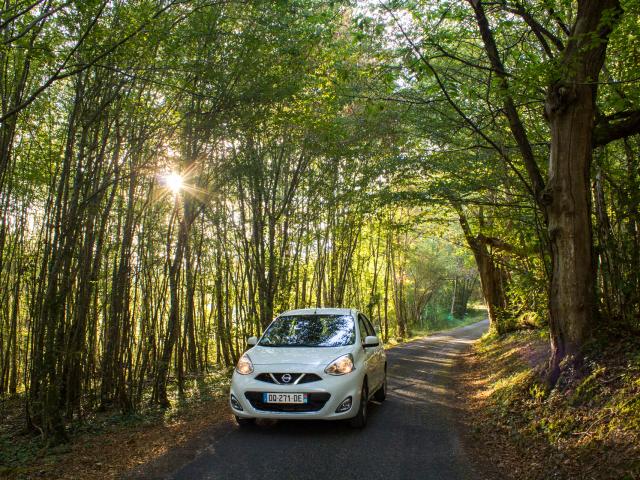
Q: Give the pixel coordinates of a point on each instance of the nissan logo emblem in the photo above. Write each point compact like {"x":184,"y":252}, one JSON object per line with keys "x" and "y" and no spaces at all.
{"x":286,"y":378}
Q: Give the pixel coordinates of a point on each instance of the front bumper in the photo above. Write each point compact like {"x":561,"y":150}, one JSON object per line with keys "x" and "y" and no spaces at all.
{"x":247,"y":391}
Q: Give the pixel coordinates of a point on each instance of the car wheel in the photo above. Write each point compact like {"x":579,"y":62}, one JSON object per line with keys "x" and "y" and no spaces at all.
{"x":381,"y":394}
{"x":360,"y":420}
{"x":245,"y":422}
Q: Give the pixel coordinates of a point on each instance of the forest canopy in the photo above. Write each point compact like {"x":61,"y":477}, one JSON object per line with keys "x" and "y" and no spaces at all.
{"x":175,"y":173}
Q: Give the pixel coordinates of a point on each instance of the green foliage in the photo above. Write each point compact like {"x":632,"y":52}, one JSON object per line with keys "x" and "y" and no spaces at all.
{"x":121,"y":292}
{"x":330,"y":153}
{"x":586,"y":389}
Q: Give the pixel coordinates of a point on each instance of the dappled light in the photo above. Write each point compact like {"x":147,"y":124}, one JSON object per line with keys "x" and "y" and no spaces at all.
{"x":414,"y":422}
{"x":175,"y":175}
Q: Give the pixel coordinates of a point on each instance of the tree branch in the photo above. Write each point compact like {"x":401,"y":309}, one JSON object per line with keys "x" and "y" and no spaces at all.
{"x":496,"y":243}
{"x":538,"y":29}
{"x":515,"y":123}
{"x":457,"y":108}
{"x":616,"y":127}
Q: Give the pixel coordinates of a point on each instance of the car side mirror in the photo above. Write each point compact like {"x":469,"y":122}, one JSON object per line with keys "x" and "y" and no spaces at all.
{"x":252,"y":341}
{"x":371,"y":341}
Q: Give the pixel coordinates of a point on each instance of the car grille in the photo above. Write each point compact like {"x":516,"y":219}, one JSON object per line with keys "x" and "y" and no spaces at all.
{"x":296,"y":378}
{"x":315,"y":402}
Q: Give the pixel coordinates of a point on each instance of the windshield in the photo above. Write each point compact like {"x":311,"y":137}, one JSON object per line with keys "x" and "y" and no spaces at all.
{"x":310,"y":331}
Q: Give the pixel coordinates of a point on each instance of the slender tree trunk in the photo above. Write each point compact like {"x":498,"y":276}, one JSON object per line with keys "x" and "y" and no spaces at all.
{"x":173,"y":326}
{"x":453,"y":296}
{"x":632,"y":294}
{"x":491,"y":275}
{"x":189,"y":314}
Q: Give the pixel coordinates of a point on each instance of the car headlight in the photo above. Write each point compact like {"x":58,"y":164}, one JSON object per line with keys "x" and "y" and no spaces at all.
{"x":244,"y":366}
{"x":341,"y":365}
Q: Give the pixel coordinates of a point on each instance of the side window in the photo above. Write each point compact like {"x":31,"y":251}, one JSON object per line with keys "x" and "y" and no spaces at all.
{"x":370,"y":330}
{"x":363,"y":327}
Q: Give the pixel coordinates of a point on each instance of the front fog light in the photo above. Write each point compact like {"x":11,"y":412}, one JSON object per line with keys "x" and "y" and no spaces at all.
{"x":344,"y":406}
{"x":235,"y":403}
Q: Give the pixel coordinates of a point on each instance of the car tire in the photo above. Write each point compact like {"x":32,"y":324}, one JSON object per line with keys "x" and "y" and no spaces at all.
{"x":381,"y":393}
{"x":360,"y":420}
{"x":245,"y":422}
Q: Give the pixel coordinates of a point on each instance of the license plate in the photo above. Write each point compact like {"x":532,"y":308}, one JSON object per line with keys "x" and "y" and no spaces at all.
{"x":268,"y":397}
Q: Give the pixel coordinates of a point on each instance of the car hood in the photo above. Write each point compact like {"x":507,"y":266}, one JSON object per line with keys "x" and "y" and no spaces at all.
{"x":318,"y":356}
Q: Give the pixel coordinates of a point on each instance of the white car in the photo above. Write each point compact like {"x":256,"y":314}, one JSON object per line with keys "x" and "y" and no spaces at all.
{"x":323,"y":363}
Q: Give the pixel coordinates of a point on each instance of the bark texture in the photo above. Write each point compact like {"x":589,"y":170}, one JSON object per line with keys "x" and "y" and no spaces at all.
{"x":570,"y":108}
{"x":565,"y":200}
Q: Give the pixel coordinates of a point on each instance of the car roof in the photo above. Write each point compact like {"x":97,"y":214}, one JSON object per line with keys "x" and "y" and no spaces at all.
{"x":319,"y":311}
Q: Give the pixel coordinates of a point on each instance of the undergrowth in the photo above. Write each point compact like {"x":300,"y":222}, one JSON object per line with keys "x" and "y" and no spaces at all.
{"x":20,"y":449}
{"x":587,"y":426}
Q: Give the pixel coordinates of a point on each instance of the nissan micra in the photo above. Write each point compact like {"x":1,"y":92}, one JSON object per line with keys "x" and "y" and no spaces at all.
{"x":324,"y":363}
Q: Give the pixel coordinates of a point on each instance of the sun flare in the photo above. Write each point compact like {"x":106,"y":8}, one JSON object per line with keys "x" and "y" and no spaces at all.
{"x":174,"y":182}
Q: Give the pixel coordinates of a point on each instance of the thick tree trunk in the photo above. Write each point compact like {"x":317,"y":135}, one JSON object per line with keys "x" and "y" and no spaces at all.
{"x":570,"y":109}
{"x":492,"y":282}
{"x":565,"y":200}
{"x":571,"y":299}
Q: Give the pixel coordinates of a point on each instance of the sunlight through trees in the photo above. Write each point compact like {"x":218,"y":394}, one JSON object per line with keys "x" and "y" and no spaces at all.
{"x":175,"y":173}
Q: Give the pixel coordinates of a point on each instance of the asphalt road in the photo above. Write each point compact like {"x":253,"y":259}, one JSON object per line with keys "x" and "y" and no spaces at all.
{"x":414,"y":434}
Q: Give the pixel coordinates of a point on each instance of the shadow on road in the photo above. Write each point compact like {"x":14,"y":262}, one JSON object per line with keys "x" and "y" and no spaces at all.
{"x":412,"y":435}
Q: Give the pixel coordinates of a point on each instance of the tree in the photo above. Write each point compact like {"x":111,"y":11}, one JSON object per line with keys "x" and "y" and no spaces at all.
{"x":576,"y":54}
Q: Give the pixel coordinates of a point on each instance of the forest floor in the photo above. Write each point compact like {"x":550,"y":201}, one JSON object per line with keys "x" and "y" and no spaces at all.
{"x":588,"y":427}
{"x":107,"y":444}
{"x":104,"y":445}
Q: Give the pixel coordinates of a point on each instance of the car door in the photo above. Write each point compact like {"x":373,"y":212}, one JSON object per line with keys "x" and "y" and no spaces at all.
{"x":378,"y":353}
{"x":369,"y":354}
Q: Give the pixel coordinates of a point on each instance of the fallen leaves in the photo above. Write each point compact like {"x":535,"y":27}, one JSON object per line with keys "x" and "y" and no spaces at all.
{"x":110,"y":454}
{"x":585,"y":429}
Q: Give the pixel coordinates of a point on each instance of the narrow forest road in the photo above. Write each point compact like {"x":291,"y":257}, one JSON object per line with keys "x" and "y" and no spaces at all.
{"x":414,"y":434}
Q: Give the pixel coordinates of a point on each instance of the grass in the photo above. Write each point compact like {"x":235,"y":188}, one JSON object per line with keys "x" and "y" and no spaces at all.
{"x":586,"y":427}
